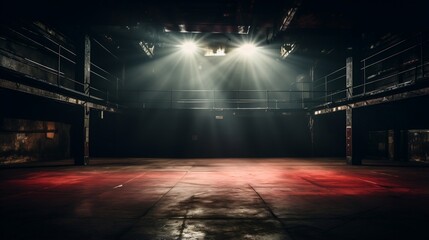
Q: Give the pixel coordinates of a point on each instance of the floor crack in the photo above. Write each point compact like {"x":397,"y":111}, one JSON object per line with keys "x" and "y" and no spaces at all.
{"x":122,"y":233}
{"x":267,"y":207}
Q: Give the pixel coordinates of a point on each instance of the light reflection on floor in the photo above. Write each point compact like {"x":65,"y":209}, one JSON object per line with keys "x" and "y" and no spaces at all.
{"x":215,"y":199}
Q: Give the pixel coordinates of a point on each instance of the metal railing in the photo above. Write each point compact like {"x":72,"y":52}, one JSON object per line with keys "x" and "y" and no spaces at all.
{"x":331,"y":87}
{"x":403,"y":63}
{"x":218,"y":99}
{"x":104,"y":83}
{"x":49,"y":61}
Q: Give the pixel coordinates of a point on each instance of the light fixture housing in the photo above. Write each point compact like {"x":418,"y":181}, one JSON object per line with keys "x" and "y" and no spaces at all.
{"x":286,"y":49}
{"x":147,"y":48}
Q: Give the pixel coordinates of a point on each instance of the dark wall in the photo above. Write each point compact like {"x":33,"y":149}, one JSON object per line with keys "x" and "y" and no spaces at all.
{"x":330,"y":135}
{"x":329,"y":129}
{"x":398,"y":117}
{"x":405,"y":114}
{"x":197,"y":133}
{"x":183,"y":133}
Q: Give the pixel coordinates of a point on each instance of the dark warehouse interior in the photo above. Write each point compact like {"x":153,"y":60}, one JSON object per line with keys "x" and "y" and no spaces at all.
{"x":227,"y":119}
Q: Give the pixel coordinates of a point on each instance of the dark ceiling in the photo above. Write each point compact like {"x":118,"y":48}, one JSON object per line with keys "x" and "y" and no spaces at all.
{"x":323,"y":25}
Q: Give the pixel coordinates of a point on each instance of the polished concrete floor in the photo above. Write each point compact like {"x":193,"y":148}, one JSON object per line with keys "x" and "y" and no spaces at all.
{"x":215,"y":199}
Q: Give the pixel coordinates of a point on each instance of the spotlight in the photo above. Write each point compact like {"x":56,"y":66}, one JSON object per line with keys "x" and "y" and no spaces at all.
{"x":188,"y":47}
{"x":247,"y":49}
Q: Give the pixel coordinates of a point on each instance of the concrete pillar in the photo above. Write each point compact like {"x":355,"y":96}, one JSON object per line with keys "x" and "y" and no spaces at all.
{"x":84,"y":72}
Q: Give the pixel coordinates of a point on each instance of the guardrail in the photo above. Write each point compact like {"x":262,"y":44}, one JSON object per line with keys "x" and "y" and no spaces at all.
{"x":36,"y":55}
{"x":401,"y":64}
{"x":218,"y":99}
{"x":331,"y":87}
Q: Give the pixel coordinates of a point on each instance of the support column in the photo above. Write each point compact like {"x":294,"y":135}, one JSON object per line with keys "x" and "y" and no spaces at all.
{"x":352,"y":154}
{"x":349,"y":139}
{"x":84,"y":72}
{"x":86,"y":135}
{"x":311,"y":128}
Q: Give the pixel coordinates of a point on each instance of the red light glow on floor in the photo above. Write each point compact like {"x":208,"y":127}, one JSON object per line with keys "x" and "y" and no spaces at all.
{"x":183,"y":198}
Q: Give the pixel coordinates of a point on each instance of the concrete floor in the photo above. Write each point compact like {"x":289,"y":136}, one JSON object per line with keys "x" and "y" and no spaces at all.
{"x":215,"y":199}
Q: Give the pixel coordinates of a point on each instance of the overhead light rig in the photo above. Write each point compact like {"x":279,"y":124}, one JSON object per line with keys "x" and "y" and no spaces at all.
{"x":286,"y":49}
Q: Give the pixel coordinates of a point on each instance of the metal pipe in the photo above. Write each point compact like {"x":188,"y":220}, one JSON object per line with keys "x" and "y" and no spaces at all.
{"x":393,"y":55}
{"x":395,"y":74}
{"x":421,"y":55}
{"x":123,"y":75}
{"x":312,"y":81}
{"x":364,"y":76}
{"x":107,"y":50}
{"x":213,"y":104}
{"x":171,"y":99}
{"x":318,"y":85}
{"x":100,"y":76}
{"x":337,"y":92}
{"x":93,"y":64}
{"x":267,"y":98}
{"x":62,"y":56}
{"x":96,"y":89}
{"x":333,"y":80}
{"x":39,"y":44}
{"x":44,"y":66}
{"x":326,"y":88}
{"x":375,"y":54}
{"x":59,"y":65}
{"x":28,"y":30}
{"x":72,"y":80}
{"x":381,"y":79}
{"x":331,"y":73}
{"x":117,"y":89}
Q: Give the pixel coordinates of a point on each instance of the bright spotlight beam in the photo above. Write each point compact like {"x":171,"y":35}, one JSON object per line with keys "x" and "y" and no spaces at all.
{"x":247,"y":49}
{"x":189,"y":47}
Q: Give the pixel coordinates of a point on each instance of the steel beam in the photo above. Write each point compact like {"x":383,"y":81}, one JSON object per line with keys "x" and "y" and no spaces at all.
{"x":375,"y":101}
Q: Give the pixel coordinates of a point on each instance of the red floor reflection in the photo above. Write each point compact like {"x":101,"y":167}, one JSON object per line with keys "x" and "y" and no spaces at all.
{"x":188,"y":198}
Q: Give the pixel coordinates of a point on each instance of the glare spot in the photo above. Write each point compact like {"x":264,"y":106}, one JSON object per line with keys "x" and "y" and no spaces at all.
{"x":189,"y":47}
{"x":247,"y":49}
